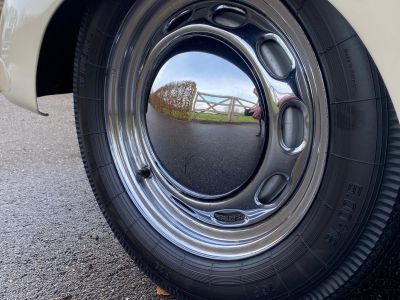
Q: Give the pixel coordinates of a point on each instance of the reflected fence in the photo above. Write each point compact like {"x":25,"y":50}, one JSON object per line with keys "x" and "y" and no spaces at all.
{"x":182,"y":100}
{"x":210,"y":107}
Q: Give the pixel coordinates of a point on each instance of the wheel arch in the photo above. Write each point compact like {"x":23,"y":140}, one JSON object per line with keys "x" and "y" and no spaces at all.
{"x":54,"y":76}
{"x":56,"y":58}
{"x":24,"y":76}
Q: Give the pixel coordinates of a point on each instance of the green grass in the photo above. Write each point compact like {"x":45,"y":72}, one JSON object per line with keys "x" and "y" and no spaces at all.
{"x":222,"y":118}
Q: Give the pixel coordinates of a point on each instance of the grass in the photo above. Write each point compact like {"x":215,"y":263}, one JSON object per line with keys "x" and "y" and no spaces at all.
{"x":222,"y":118}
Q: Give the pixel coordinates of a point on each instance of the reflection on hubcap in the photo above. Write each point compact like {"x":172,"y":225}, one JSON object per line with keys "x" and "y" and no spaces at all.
{"x":224,"y":112}
{"x":200,"y":125}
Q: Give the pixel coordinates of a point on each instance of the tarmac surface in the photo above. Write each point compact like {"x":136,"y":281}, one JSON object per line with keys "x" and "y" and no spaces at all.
{"x":54,"y":242}
{"x":208,"y":157}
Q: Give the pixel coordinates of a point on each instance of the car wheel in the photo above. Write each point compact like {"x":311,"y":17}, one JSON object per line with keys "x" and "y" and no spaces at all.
{"x":211,"y":203}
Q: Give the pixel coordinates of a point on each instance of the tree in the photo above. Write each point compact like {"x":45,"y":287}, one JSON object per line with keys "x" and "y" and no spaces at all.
{"x":174,"y":99}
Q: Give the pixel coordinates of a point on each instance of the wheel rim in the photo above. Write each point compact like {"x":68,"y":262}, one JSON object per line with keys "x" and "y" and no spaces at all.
{"x":274,"y":196}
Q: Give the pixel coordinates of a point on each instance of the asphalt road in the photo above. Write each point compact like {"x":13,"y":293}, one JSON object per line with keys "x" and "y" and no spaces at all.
{"x":54,"y":242}
{"x":209,"y":158}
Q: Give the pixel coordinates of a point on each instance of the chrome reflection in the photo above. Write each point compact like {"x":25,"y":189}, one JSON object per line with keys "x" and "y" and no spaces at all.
{"x":205,"y":123}
{"x":270,"y":205}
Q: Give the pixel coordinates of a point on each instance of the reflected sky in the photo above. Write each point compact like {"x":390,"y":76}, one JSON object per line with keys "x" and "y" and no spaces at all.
{"x":211,"y":73}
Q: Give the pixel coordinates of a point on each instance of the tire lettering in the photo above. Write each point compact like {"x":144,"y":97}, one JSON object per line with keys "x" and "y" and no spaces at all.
{"x":345,"y":214}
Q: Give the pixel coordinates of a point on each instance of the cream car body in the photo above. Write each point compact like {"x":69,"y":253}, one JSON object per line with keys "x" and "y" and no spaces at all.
{"x":24,"y":24}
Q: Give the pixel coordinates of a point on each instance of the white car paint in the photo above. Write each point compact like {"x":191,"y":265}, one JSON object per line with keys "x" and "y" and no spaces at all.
{"x":24,"y":22}
{"x":378,"y":24}
{"x":23,"y":25}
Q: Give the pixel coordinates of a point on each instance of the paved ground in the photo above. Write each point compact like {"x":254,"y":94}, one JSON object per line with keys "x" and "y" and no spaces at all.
{"x":209,"y":158}
{"x":54,"y":243}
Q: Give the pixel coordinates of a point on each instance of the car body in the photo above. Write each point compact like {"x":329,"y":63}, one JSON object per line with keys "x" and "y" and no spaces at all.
{"x":24,"y":26}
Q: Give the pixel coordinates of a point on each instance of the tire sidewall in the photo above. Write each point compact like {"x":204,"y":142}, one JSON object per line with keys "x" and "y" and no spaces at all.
{"x":332,"y":225}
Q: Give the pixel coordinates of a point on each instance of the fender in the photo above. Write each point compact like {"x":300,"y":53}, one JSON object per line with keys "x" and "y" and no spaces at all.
{"x":377,"y":24}
{"x":23,"y":25}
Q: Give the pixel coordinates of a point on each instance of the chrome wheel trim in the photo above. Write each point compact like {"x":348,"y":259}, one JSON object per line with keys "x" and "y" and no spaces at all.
{"x":175,"y":214}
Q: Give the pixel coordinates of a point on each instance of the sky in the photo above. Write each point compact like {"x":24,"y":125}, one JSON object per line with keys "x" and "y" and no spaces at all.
{"x":212,"y":74}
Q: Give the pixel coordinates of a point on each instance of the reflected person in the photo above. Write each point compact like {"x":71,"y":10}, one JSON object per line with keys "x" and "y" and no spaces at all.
{"x":257,"y":113}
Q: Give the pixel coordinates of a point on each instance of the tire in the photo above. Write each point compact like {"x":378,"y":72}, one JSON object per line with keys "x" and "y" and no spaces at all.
{"x":349,"y":222}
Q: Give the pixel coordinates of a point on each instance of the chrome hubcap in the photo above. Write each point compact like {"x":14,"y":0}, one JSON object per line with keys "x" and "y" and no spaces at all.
{"x":204,"y":173}
{"x":197,"y":126}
